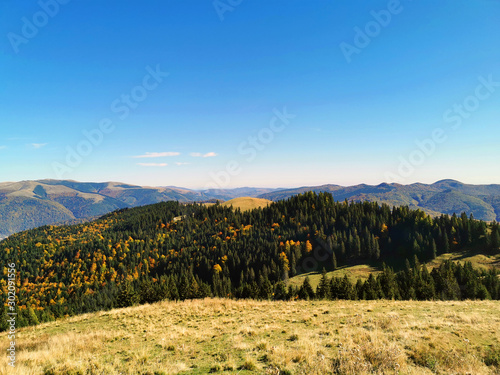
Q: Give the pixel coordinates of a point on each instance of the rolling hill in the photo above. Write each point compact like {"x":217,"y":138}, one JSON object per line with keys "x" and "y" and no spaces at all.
{"x":247,"y":203}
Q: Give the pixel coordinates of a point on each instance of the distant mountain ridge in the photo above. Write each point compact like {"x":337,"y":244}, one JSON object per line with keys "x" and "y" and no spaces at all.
{"x":445,"y":196}
{"x":28,"y":204}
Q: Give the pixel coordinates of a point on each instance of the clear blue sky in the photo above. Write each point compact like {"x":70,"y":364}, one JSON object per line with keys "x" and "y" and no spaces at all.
{"x":360,"y":103}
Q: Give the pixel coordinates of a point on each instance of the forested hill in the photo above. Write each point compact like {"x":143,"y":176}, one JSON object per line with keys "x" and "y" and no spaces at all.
{"x":29,"y":204}
{"x":442,"y":197}
{"x":173,"y":250}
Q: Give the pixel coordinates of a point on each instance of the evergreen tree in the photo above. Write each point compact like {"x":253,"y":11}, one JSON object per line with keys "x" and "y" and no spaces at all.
{"x":127,"y":295}
{"x":433,"y":249}
{"x":280,"y":292}
{"x":194,"y":289}
{"x":306,"y":291}
{"x":495,"y":238}
{"x":32,"y":318}
{"x":183,"y":287}
{"x":323,"y":289}
{"x":388,"y":283}
{"x":265,"y":289}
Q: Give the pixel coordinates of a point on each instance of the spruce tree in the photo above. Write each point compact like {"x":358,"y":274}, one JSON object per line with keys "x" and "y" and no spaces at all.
{"x":323,"y":289}
{"x":127,"y":295}
{"x":433,"y":249}
{"x":306,"y":291}
{"x":280,"y":292}
{"x":495,"y":238}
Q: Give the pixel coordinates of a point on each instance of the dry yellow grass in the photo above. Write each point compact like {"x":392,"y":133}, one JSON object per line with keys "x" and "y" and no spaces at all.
{"x":247,"y":203}
{"x":245,"y":337}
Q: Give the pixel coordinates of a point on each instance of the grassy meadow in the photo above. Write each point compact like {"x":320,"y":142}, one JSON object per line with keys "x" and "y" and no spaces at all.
{"x":247,"y":203}
{"x":363,"y":271}
{"x":266,"y":337}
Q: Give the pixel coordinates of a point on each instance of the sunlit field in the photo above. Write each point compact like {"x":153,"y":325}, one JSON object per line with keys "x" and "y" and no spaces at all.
{"x":267,"y":337}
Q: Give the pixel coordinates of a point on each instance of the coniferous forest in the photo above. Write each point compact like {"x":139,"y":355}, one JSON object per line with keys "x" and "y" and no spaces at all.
{"x":183,"y":251}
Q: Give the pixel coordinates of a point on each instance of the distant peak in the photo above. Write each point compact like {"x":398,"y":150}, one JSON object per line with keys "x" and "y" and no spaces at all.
{"x":448,"y":181}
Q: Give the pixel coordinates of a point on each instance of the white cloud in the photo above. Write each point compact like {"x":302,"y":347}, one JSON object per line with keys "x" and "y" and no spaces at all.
{"x":200,"y":155}
{"x":152,"y":164}
{"x":157,"y":154}
{"x":184,"y":163}
{"x":38,"y":145}
{"x":2,"y":147}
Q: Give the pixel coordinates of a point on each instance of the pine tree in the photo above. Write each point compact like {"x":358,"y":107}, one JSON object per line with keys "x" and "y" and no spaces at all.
{"x":388,"y":283}
{"x":306,"y":291}
{"x":446,"y":243}
{"x":433,"y":249}
{"x":495,"y":239}
{"x":323,"y":289}
{"x":183,"y":287}
{"x":194,"y":289}
{"x":265,"y":288}
{"x":127,"y":295}
{"x":359,"y":290}
{"x":280,"y":292}
{"x":32,"y":318}
{"x":376,"y":249}
{"x":172,"y":288}
{"x":335,"y":292}
{"x":371,"y":288}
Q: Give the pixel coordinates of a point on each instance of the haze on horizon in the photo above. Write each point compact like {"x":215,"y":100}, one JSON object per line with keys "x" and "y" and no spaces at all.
{"x":208,"y":94}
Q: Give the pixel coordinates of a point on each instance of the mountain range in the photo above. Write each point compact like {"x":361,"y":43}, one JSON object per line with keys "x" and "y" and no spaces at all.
{"x":28,"y":204}
{"x":442,"y":197}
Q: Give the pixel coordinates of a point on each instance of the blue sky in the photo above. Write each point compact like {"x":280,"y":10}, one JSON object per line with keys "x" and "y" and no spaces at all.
{"x":258,"y":93}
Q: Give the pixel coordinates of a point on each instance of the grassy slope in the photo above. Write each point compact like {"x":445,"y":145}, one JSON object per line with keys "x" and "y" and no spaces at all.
{"x":477,"y":260}
{"x":246,"y":203}
{"x":359,"y":271}
{"x":362,"y":271}
{"x":317,"y":337}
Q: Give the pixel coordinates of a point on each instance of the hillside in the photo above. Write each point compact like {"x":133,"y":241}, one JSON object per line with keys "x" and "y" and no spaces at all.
{"x":247,"y":203}
{"x":267,"y":337}
{"x":442,"y":197}
{"x":363,"y":271}
{"x":181,"y":251}
{"x":29,"y":204}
